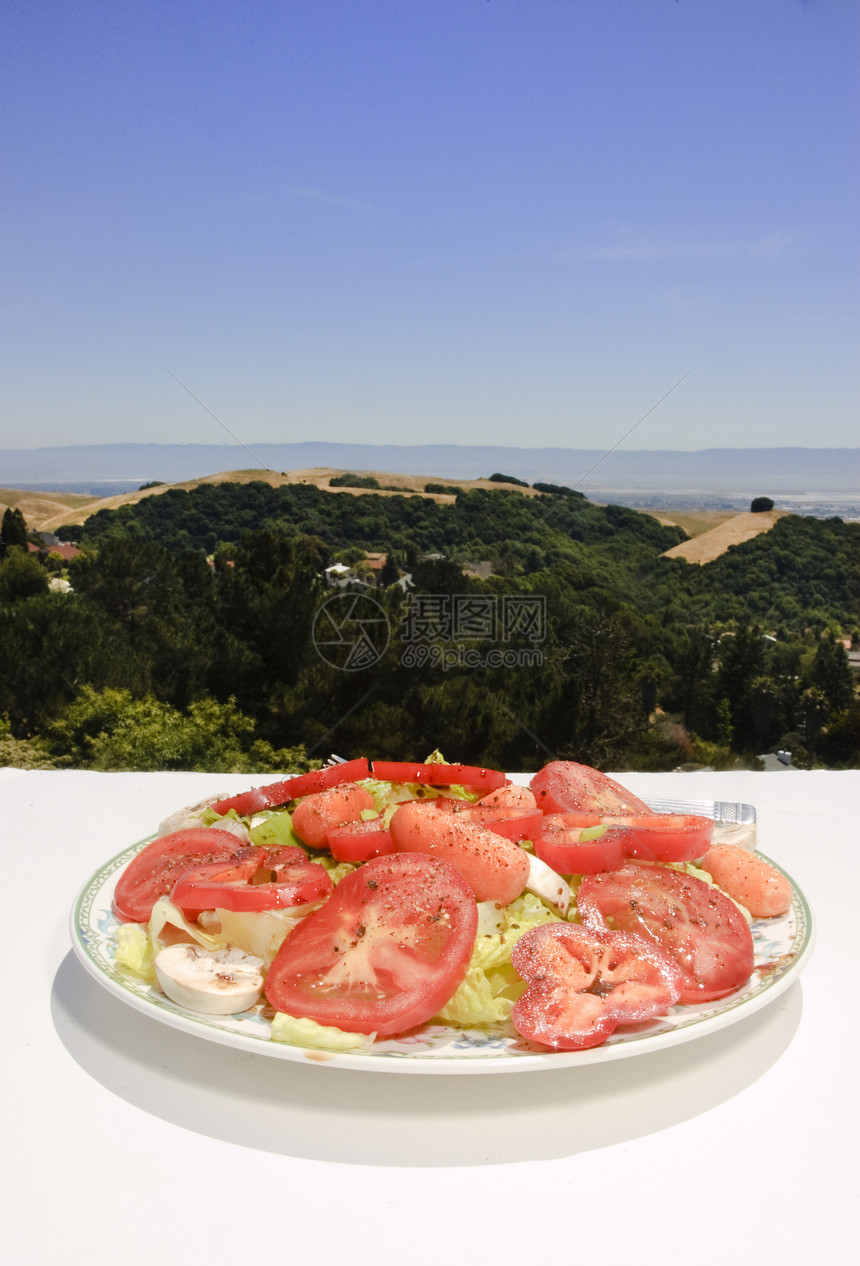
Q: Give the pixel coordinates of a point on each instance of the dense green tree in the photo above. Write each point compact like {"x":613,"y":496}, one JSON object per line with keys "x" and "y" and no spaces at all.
{"x":21,"y":576}
{"x":111,"y":729}
{"x":160,"y":602}
{"x":813,"y":711}
{"x":51,"y":645}
{"x":690,"y":651}
{"x":265,"y":607}
{"x":741,"y":661}
{"x":784,"y":663}
{"x":13,"y":530}
{"x":607,"y":711}
{"x":839,"y":744}
{"x":390,"y":571}
{"x":831,"y":673}
{"x":763,"y":701}
{"x":18,"y":753}
{"x":724,"y":729}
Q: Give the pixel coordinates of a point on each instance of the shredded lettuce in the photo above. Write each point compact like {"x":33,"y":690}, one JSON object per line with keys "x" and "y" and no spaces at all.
{"x":134,"y":951}
{"x":235,"y":823}
{"x":480,"y":999}
{"x":388,"y":795}
{"x":164,"y":912}
{"x":275,"y":831}
{"x":209,"y":817}
{"x":490,"y":987}
{"x":336,"y":870}
{"x":298,"y":1031}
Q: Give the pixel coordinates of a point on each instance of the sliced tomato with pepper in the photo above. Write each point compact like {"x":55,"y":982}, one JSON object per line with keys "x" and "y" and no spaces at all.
{"x":511,"y":796}
{"x":277,"y":879}
{"x":665,"y":837}
{"x":156,"y":869}
{"x":580,"y":851}
{"x":583,"y":984}
{"x":359,"y":841}
{"x":433,"y":775}
{"x":661,"y":837}
{"x":317,"y":814}
{"x":512,"y":822}
{"x":575,"y":820}
{"x":495,"y":868}
{"x":563,"y":785}
{"x":695,"y":924}
{"x":385,"y":952}
{"x":278,"y":793}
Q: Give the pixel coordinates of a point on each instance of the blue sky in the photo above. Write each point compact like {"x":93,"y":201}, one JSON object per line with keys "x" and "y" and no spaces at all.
{"x":410,"y":221}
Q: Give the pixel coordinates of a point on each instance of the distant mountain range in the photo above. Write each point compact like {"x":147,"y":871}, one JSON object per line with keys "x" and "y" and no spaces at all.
{"x":731,"y":471}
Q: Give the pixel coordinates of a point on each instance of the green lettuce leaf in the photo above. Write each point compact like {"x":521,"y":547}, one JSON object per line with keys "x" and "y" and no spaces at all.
{"x":298,"y":1031}
{"x":134,"y":951}
{"x":275,"y":831}
{"x":490,"y":987}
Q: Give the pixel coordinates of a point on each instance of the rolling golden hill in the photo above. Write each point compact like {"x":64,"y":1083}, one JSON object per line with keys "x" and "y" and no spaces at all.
{"x":46,"y":511}
{"x":733,"y":531}
{"x":711,"y":532}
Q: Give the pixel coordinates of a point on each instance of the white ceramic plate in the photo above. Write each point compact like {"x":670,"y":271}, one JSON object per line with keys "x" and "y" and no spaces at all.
{"x":782,"y":948}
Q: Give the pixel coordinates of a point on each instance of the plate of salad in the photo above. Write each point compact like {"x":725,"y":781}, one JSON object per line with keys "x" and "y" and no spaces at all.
{"x":435,"y":918}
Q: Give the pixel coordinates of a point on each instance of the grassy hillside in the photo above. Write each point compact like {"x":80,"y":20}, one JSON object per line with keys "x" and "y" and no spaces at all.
{"x":45,"y":512}
{"x":735,"y":530}
{"x":41,"y":509}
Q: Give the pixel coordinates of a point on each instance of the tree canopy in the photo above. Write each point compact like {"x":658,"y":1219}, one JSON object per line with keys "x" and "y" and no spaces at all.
{"x":503,"y":629}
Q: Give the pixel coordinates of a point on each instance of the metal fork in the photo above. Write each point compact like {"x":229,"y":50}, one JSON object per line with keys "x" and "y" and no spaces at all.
{"x":719,"y":810}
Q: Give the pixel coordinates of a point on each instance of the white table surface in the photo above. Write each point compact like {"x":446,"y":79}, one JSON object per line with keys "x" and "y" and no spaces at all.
{"x":127,"y":1141}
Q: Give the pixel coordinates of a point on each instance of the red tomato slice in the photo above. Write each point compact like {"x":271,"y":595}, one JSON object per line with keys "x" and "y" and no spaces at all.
{"x":155,"y":870}
{"x":665,"y":837}
{"x":315,"y":816}
{"x":661,"y":837}
{"x":568,"y":854}
{"x":277,"y":793}
{"x":562,"y":785}
{"x":511,"y":796}
{"x":574,"y":820}
{"x":496,"y":868}
{"x":697,"y":925}
{"x":386,"y":951}
{"x":359,"y":841}
{"x":582,"y":984}
{"x":439,"y":775}
{"x":296,"y":881}
{"x":513,"y":823}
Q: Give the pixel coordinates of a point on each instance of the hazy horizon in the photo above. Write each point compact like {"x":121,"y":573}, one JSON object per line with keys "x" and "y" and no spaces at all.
{"x":801,"y":472}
